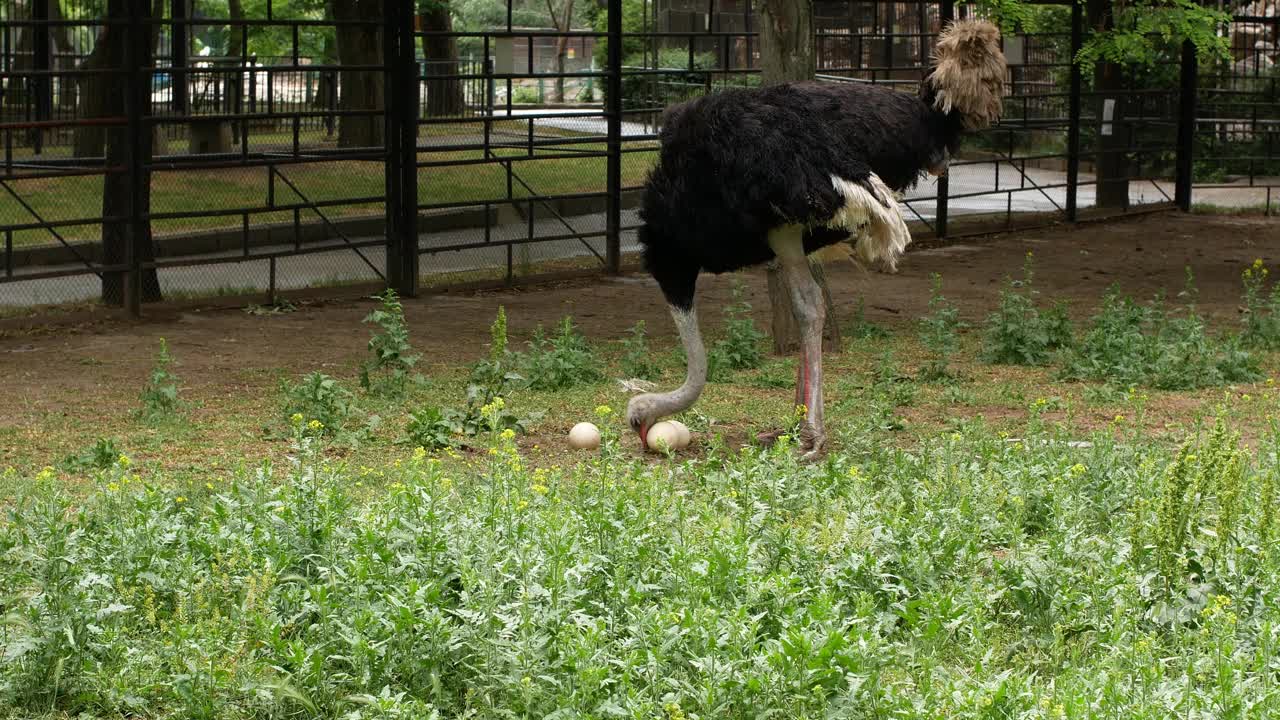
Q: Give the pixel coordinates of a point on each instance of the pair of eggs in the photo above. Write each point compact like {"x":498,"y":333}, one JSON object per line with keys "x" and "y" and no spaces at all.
{"x":669,"y":435}
{"x":666,"y":436}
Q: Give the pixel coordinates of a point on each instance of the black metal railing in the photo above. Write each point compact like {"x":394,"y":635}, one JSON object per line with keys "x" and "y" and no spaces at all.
{"x":269,"y":154}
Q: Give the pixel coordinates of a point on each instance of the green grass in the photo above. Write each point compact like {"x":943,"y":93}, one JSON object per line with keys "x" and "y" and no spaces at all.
{"x":968,"y":577}
{"x":995,"y":545}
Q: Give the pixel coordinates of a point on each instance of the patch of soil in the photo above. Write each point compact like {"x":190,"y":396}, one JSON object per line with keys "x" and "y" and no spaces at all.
{"x":226,"y":352}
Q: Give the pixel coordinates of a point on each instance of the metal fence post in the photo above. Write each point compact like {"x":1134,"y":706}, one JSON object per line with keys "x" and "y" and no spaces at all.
{"x":613,"y":94}
{"x":1073,"y":115}
{"x":401,"y":123}
{"x":1186,"y":127}
{"x":41,"y":61}
{"x":946,"y":13}
{"x":138,"y":38}
{"x":179,"y":42}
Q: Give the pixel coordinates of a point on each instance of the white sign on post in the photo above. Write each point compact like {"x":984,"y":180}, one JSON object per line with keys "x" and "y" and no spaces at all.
{"x":1108,"y":114}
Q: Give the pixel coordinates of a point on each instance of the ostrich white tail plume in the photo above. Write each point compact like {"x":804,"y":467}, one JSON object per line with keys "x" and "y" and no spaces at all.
{"x":968,"y":72}
{"x":880,"y":232}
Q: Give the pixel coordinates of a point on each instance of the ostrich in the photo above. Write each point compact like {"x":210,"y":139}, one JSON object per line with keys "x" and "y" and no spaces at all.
{"x":745,"y":176}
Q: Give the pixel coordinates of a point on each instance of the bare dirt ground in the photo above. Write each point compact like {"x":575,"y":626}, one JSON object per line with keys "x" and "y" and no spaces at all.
{"x":97,"y":364}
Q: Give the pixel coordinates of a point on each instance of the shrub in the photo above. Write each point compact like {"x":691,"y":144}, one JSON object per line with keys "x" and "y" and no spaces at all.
{"x":1130,"y":344}
{"x":1018,"y":333}
{"x":393,"y":357}
{"x":160,"y":394}
{"x":559,"y":362}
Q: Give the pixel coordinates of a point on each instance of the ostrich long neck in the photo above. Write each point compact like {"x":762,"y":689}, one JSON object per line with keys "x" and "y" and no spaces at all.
{"x":695,"y":354}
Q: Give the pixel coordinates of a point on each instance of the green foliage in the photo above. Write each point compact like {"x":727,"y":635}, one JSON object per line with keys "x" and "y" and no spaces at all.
{"x":485,"y":411}
{"x":563,"y":361}
{"x":1148,"y":30}
{"x":160,"y":394}
{"x":320,"y":398}
{"x":939,"y":333}
{"x":1018,"y":333}
{"x":964,"y":575}
{"x":1261,"y":311}
{"x":863,"y":329}
{"x":637,"y":359}
{"x":739,"y":349}
{"x":98,"y":456}
{"x":1128,"y":344}
{"x":387,"y":372}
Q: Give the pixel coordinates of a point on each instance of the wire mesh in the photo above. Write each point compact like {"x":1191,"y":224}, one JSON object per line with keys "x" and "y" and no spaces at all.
{"x":171,"y":150}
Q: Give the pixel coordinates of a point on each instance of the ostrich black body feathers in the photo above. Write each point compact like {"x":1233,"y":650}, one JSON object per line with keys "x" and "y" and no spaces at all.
{"x":736,"y":164}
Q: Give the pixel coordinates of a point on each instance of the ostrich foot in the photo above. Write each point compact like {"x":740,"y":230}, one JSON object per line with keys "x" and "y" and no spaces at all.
{"x":813,"y":443}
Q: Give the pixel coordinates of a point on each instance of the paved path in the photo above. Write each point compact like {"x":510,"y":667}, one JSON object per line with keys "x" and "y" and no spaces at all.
{"x":1006,"y":188}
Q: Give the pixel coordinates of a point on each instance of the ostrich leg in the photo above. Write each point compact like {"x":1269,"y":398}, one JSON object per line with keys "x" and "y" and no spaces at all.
{"x":806,"y":303}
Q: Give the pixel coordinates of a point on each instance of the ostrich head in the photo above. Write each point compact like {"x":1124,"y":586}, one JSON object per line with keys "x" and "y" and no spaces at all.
{"x":968,"y":73}
{"x":643,"y":411}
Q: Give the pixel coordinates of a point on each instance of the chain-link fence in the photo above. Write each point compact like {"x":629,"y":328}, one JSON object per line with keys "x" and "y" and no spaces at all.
{"x":159,"y":149}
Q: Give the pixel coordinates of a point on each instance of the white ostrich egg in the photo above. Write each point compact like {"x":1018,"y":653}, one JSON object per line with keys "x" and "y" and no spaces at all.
{"x":686,"y":437}
{"x":664,"y":437}
{"x":584,"y":436}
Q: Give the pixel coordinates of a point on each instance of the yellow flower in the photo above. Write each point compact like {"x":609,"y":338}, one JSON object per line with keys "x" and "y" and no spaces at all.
{"x":208,"y":486}
{"x":46,"y":473}
{"x":493,"y":451}
{"x":604,"y":411}
{"x":445,"y":483}
{"x":854,"y":471}
{"x":180,"y":499}
{"x":522,"y":504}
{"x":508,"y":434}
{"x":1119,"y":418}
{"x":112,"y":487}
{"x":419,"y":453}
{"x":1078,"y":469}
{"x":315,"y":425}
{"x":296,"y":418}
{"x":124,"y":461}
{"x":539,"y":488}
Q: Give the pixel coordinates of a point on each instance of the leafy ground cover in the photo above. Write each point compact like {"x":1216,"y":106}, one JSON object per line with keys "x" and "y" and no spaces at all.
{"x":985,"y":541}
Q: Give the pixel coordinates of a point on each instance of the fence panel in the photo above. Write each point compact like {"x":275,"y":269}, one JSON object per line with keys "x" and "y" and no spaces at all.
{"x":364,"y":144}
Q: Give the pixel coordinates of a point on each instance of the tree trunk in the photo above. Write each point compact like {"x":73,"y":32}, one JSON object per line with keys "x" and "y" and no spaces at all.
{"x":359,"y":90}
{"x":99,"y":92}
{"x":1112,"y":169}
{"x":787,"y":55}
{"x":117,"y":184}
{"x":562,"y":24}
{"x":444,"y":92}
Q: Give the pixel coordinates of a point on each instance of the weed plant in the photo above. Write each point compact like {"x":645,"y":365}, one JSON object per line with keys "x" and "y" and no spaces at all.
{"x":324,"y":404}
{"x":484,"y":411}
{"x":559,"y":362}
{"x":966,"y":577}
{"x":1129,"y":344}
{"x":159,"y":397}
{"x":739,"y":348}
{"x":391,"y":366}
{"x":1018,"y":333}
{"x":939,"y":332}
{"x":1261,"y":310}
{"x":637,"y":359}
